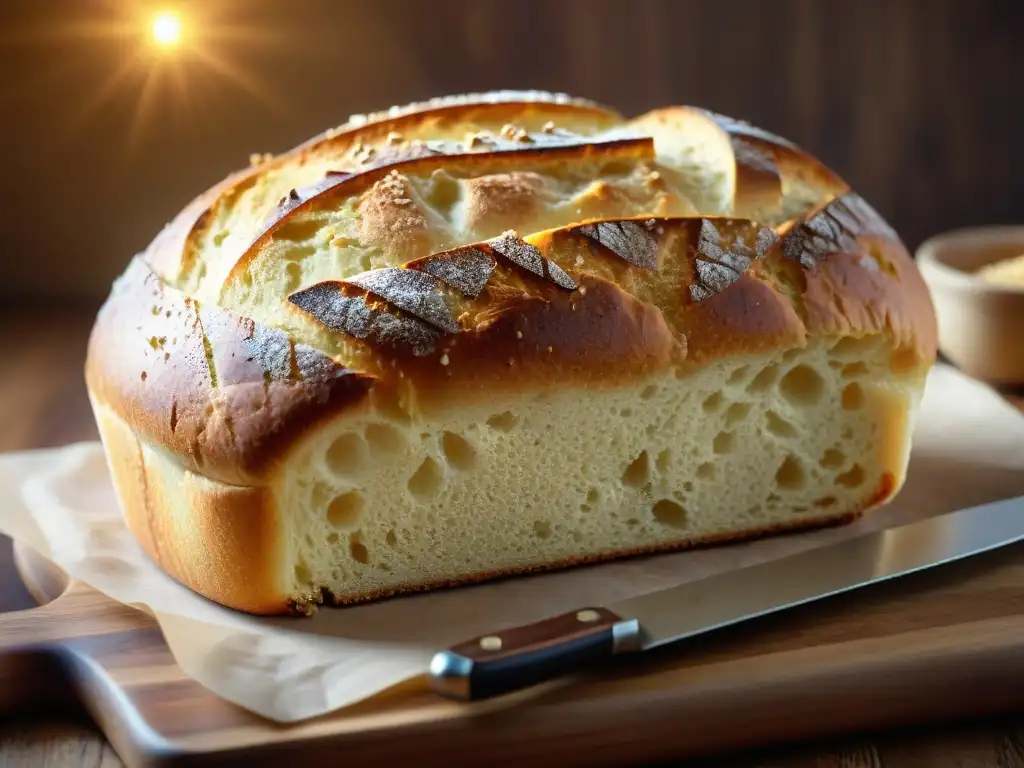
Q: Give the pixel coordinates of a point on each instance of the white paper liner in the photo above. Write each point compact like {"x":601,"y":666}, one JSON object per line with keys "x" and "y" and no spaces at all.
{"x":968,"y":449}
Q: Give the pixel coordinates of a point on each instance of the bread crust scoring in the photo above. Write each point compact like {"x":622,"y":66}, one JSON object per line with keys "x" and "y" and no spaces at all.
{"x":230,"y":395}
{"x":455,"y":252}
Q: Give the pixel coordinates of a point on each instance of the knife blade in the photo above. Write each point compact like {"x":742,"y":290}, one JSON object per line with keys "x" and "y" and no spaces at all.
{"x":517,"y":658}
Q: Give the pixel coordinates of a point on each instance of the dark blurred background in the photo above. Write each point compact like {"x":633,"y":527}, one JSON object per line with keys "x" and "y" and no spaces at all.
{"x":918,"y":103}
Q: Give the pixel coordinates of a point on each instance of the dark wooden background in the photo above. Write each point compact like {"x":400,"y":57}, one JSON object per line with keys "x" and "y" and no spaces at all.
{"x":919,"y":103}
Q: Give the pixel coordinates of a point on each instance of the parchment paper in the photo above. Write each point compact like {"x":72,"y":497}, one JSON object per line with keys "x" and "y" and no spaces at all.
{"x":968,"y":449}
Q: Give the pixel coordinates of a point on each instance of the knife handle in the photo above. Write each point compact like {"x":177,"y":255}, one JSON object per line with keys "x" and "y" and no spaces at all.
{"x":503,"y":662}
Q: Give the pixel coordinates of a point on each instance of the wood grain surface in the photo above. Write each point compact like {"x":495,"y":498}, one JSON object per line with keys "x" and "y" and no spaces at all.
{"x":42,"y":403}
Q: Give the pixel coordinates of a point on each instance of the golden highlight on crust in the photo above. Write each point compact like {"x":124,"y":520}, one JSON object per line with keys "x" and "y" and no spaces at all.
{"x":505,"y":249}
{"x":221,"y":392}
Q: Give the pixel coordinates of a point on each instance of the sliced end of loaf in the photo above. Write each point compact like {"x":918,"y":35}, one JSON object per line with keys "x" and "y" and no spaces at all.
{"x":791,"y":440}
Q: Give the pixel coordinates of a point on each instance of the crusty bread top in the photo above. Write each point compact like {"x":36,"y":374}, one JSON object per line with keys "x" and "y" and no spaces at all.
{"x":479,"y":244}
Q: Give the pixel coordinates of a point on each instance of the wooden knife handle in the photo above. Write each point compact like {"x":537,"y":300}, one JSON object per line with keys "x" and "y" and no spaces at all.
{"x":503,"y":662}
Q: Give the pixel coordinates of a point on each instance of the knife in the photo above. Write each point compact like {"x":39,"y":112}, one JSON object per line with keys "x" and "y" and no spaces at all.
{"x":513,"y":659}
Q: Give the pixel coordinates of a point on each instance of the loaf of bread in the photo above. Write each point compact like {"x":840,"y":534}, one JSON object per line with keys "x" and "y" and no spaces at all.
{"x":501,"y":333}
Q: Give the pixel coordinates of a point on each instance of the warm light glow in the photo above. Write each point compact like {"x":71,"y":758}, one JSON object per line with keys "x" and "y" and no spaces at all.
{"x":173,"y":62}
{"x":166,"y":30}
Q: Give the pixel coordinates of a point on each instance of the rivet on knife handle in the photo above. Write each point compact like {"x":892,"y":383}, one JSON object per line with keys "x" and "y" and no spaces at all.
{"x":502,"y":662}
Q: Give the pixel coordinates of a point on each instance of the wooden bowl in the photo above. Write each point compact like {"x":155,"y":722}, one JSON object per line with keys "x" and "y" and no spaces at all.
{"x":981,"y":324}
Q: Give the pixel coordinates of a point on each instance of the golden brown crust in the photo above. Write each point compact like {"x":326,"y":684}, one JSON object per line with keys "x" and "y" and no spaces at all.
{"x":757,"y":145}
{"x":173,"y":251}
{"x":758,"y":181}
{"x":858,"y":278}
{"x":527,"y":107}
{"x":226,"y":395}
{"x":533,"y":324}
{"x":226,"y":547}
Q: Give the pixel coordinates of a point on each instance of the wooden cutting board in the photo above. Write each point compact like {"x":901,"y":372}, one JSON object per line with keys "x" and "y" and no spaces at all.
{"x":943,"y":644}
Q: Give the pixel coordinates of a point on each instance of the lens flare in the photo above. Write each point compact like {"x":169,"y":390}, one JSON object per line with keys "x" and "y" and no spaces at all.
{"x":174,"y":62}
{"x":166,"y":30}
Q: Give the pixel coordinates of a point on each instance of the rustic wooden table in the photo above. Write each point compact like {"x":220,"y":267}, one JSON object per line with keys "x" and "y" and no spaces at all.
{"x":43,"y":404}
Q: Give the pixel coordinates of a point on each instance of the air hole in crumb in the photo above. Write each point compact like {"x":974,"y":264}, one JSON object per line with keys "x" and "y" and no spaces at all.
{"x":320,"y":496}
{"x":736,"y":413}
{"x":427,"y":479}
{"x":854,"y":369}
{"x":688,"y":486}
{"x":802,"y":385}
{"x":638,"y":472}
{"x":903,"y":361}
{"x":390,"y":538}
{"x":833,"y":458}
{"x":737,"y":376}
{"x":853,"y":397}
{"x":853,"y":348}
{"x":668,"y":512}
{"x":357,"y":548}
{"x":664,"y":459}
{"x":779,"y":426}
{"x":541,"y":529}
{"x":346,"y":454}
{"x":791,"y":474}
{"x":384,"y":438}
{"x":503,"y":422}
{"x":724,"y":442}
{"x":706,"y":471}
{"x":293,"y":272}
{"x":713,"y":402}
{"x":632,"y":522}
{"x":626,"y":413}
{"x":826,"y":502}
{"x":853,"y":478}
{"x":345,"y":509}
{"x":791,"y":354}
{"x":302,"y":574}
{"x":593,"y":496}
{"x":764,"y":380}
{"x":649,"y":392}
{"x":387,"y":403}
{"x":773,"y":498}
{"x":332,"y":539}
{"x":457,"y":451}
